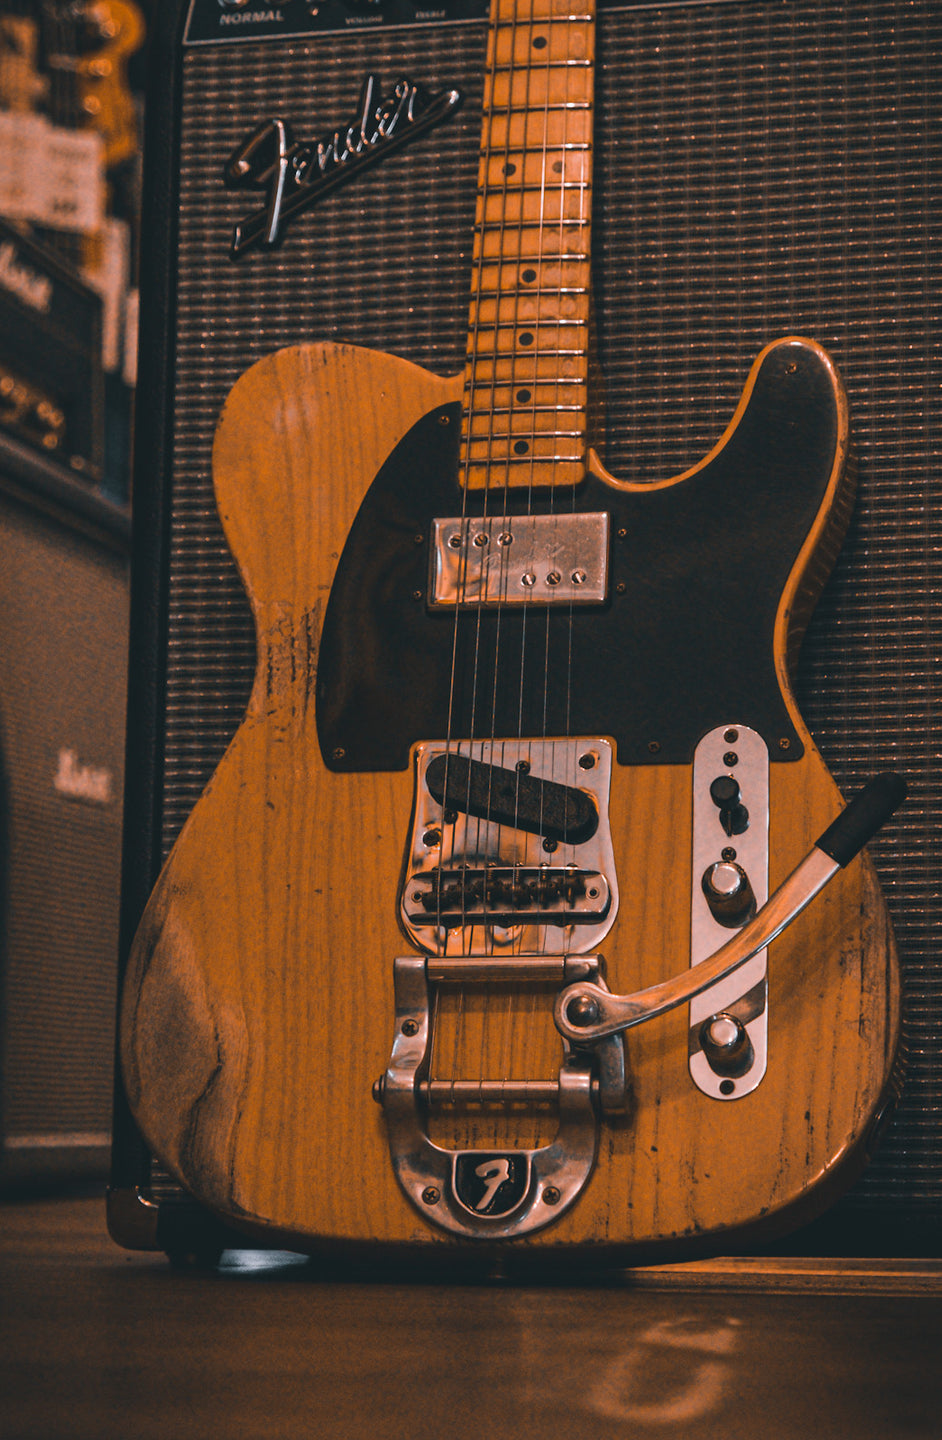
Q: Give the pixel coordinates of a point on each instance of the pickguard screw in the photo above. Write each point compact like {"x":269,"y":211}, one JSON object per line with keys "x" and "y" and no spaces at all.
{"x":418,"y":539}
{"x":410,"y":1027}
{"x":654,"y":746}
{"x":622,"y":534}
{"x":784,"y":743}
{"x":444,"y":419}
{"x":340,"y":753}
{"x":431,"y":1195}
{"x":417,"y":594}
{"x":620,"y":588}
{"x":551,"y":1195}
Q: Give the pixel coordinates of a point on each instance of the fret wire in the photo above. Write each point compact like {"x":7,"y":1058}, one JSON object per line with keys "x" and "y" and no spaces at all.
{"x":552,"y":187}
{"x":520,"y":23}
{"x":546,"y":66}
{"x":509,"y":383}
{"x":519,"y":461}
{"x":508,"y":435}
{"x":528,"y":258}
{"x":561,"y":147}
{"x":560,"y":409}
{"x":523,"y":357}
{"x":511,"y":325}
{"x":556,"y":107}
{"x":534,"y":290}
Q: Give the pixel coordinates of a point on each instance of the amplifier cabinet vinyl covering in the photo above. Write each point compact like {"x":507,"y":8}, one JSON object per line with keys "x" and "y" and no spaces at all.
{"x":761,"y":169}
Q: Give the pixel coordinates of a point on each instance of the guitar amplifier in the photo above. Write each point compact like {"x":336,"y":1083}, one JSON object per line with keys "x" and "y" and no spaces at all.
{"x":759,"y":170}
{"x":63,"y":667}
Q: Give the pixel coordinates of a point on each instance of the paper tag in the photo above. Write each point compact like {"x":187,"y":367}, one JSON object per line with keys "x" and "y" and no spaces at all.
{"x":50,"y":175}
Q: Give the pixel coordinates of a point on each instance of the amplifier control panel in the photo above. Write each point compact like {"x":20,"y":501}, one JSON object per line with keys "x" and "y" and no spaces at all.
{"x":214,"y":22}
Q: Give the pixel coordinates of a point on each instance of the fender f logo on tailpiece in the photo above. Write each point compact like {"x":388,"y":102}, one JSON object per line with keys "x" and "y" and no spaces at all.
{"x":295,"y":174}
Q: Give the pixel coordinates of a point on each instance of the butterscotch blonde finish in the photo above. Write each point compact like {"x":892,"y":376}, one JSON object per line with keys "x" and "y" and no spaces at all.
{"x":258,"y":1006}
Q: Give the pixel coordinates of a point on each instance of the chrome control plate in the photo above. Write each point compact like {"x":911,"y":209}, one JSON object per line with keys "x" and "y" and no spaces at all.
{"x":519,"y":560}
{"x":509,"y":878}
{"x":741,"y":753}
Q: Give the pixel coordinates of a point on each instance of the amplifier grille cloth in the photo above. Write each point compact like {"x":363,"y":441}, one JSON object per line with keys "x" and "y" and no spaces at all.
{"x":760,"y":170}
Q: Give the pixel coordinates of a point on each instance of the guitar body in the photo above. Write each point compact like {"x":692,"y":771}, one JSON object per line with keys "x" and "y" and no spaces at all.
{"x":259,"y":1005}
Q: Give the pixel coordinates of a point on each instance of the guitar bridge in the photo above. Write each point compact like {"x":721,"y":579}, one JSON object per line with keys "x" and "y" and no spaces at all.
{"x":507,"y":834}
{"x":493,"y":1194}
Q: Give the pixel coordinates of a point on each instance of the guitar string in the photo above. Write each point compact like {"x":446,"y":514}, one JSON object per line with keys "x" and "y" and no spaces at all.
{"x":461,"y":599}
{"x":449,"y":829}
{"x":504,"y":187}
{"x":535,"y":1002}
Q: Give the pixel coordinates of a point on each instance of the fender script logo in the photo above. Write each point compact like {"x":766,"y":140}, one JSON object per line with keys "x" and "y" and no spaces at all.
{"x":295,"y":174}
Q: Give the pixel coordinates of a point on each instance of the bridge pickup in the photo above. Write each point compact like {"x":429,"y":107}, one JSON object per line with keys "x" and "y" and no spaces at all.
{"x":507,"y":896}
{"x":513,"y":798}
{"x":520,"y":560}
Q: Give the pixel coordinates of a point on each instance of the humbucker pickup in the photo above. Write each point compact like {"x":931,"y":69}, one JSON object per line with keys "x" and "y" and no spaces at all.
{"x":520,"y":560}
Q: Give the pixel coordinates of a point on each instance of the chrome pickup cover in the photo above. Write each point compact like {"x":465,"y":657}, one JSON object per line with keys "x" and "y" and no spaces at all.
{"x":519,"y":560}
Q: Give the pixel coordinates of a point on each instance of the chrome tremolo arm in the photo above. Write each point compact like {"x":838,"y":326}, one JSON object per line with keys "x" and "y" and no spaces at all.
{"x":585,"y":1013}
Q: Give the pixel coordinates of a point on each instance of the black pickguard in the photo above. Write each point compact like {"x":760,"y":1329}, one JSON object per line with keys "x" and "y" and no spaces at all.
{"x":684,"y":643}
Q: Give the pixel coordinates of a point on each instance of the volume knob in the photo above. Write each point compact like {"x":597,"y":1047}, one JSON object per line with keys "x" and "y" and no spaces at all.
{"x":726,"y":1044}
{"x":728,"y":893}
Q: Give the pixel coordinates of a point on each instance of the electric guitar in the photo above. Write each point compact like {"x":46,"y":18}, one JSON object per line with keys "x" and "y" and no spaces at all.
{"x":521,"y":908}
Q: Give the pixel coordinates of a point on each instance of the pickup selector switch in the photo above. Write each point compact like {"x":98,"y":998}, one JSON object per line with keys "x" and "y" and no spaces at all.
{"x":728,"y":893}
{"x":726,"y":796}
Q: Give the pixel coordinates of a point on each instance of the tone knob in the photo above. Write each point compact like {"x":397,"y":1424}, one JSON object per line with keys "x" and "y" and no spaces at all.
{"x":726,"y":1044}
{"x":726,"y":796}
{"x":728,"y":893}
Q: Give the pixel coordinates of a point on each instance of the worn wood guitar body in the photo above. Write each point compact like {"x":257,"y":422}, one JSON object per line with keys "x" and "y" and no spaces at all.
{"x":515,"y":725}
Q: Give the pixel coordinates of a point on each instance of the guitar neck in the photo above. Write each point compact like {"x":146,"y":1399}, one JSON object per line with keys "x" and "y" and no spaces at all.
{"x":526,"y":378}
